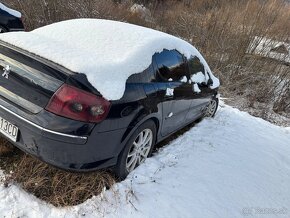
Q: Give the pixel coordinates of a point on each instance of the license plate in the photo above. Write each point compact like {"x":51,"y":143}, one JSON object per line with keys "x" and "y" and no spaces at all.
{"x":8,"y":129}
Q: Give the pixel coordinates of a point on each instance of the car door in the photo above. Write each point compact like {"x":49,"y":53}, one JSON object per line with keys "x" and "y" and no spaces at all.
{"x":201,"y":93}
{"x":172,"y":85}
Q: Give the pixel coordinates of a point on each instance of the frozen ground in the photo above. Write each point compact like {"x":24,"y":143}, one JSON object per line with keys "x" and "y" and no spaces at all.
{"x":258,"y":109}
{"x":234,"y":165}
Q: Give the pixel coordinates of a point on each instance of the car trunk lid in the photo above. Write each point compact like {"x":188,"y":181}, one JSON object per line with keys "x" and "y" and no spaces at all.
{"x":28,"y":81}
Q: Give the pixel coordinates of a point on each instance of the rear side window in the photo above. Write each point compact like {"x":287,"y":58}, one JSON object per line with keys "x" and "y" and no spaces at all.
{"x":171,"y":65}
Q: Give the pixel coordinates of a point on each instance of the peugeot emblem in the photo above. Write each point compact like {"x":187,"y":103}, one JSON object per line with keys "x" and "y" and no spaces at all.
{"x":7,"y":70}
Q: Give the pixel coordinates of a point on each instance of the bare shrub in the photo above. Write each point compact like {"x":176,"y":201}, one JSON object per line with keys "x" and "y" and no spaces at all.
{"x":37,"y":13}
{"x":224,"y":32}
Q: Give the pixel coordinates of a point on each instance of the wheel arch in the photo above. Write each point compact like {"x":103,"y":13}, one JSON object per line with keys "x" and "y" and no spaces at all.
{"x":138,"y":122}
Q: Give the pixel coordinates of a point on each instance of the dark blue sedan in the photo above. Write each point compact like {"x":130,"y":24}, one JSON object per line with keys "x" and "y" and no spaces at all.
{"x":10,"y":20}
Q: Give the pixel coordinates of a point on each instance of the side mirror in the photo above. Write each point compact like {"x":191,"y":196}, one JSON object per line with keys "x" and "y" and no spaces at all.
{"x":209,"y":82}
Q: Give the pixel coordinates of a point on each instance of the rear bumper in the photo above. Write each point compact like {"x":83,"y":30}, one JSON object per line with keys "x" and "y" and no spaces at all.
{"x":46,"y":132}
{"x":65,"y":151}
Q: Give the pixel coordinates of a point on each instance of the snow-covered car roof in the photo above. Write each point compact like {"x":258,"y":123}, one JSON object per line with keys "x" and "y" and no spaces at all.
{"x":108,"y":52}
{"x":10,"y":11}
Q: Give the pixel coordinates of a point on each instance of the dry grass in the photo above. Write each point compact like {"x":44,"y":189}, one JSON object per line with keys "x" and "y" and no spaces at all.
{"x":5,"y":147}
{"x":221,"y":29}
{"x":52,"y":185}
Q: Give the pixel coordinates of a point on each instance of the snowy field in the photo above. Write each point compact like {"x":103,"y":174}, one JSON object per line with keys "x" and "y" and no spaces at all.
{"x":234,"y":165}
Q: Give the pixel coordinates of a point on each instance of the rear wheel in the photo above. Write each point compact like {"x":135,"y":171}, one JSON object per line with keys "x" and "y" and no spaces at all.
{"x":212,"y":108}
{"x":137,"y":149}
{"x":2,"y":29}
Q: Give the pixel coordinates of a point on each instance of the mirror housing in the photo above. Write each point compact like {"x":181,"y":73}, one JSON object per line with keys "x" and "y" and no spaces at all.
{"x":209,"y":82}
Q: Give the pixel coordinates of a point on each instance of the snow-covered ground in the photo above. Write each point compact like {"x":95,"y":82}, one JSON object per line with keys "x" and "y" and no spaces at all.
{"x":234,"y":165}
{"x":259,"y":109}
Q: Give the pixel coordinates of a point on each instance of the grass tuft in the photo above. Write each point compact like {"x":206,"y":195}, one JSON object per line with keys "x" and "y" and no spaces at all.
{"x":55,"y":186}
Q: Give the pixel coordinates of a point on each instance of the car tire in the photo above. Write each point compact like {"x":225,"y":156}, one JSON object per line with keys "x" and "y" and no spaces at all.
{"x":3,"y":29}
{"x":212,"y":107}
{"x":135,"y":152}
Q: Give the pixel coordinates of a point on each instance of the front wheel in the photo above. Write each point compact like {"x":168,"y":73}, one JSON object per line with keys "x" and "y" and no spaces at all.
{"x":212,"y":107}
{"x":137,"y":149}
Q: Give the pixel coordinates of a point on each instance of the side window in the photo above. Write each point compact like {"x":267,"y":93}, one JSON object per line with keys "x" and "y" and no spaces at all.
{"x":171,"y":66}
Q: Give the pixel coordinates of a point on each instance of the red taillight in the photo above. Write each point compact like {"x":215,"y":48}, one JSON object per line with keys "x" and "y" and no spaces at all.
{"x":77,"y":104}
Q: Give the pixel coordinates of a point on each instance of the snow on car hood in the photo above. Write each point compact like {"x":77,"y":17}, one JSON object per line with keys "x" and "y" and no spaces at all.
{"x":107,"y":52}
{"x":10,"y":11}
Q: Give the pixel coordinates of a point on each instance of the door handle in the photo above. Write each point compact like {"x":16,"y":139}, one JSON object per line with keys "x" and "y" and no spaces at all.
{"x":169,"y":115}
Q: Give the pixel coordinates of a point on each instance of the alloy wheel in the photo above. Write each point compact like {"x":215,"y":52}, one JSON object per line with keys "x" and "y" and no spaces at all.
{"x":211,"y":108}
{"x":139,"y":150}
